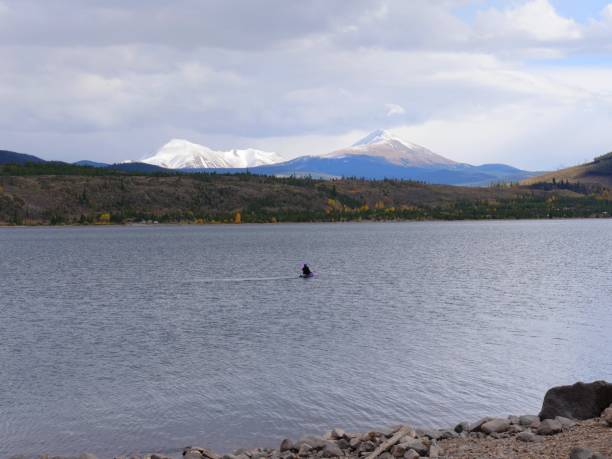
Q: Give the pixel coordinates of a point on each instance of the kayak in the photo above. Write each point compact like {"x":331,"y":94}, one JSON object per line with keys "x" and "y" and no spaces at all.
{"x":307,"y":276}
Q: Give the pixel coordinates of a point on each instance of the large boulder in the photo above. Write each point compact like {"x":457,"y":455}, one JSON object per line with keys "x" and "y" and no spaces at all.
{"x":579,"y":401}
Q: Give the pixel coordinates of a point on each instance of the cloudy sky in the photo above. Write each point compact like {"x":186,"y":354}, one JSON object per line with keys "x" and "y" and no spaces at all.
{"x":525,"y":82}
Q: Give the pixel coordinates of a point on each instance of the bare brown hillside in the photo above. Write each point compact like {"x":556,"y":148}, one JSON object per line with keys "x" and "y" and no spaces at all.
{"x":598,"y":171}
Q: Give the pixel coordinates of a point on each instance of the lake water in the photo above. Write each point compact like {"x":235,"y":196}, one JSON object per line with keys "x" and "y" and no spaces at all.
{"x":123,"y":339}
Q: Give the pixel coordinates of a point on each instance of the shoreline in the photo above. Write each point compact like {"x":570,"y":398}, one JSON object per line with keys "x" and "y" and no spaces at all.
{"x":571,"y":424}
{"x":210,"y":224}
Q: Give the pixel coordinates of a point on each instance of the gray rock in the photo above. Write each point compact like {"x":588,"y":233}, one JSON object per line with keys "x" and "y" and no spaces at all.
{"x":447,"y":433}
{"x":331,"y":450}
{"x":398,"y":450}
{"x":286,"y":445}
{"x":225,"y":456}
{"x":462,"y":427}
{"x":515,"y":428}
{"x":477,"y":425}
{"x":513,"y":419}
{"x":367,"y":446}
{"x":495,"y":426}
{"x":337,"y":434}
{"x":305,"y":450}
{"x":385,"y":431}
{"x":312,"y":441}
{"x":526,"y":437}
{"x":550,"y":427}
{"x":411,"y":434}
{"x":192,"y":454}
{"x":343,"y":443}
{"x":416,"y":445}
{"x":354,"y":442}
{"x":93,"y":456}
{"x":528,"y":419}
{"x":288,"y":455}
{"x":598,"y":456}
{"x":385,"y":455}
{"x":565,"y":422}
{"x":579,"y":401}
{"x":607,"y":415}
{"x":411,"y":454}
{"x":581,"y":453}
{"x":429,"y":433}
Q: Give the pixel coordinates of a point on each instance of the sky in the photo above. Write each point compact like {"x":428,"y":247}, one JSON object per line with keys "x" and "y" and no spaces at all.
{"x":522,"y":82}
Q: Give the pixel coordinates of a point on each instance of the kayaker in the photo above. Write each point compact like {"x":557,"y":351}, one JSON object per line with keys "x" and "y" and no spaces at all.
{"x":306,"y":270}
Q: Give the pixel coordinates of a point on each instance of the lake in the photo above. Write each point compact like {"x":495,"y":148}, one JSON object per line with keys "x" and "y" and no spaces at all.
{"x":123,"y":339}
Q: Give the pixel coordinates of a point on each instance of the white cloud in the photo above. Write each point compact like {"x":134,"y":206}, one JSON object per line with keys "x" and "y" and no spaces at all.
{"x":117,"y":79}
{"x":394,"y":110}
{"x":534,"y":20}
{"x":525,"y":135}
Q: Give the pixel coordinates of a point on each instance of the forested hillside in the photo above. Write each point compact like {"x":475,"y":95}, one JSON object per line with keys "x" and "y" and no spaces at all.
{"x":63,"y":194}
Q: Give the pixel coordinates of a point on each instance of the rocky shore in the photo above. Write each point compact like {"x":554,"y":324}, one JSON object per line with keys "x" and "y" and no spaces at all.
{"x":575,"y":422}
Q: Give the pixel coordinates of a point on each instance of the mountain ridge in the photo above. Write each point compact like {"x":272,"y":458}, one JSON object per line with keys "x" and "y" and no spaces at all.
{"x":183,"y":154}
{"x":379,"y":155}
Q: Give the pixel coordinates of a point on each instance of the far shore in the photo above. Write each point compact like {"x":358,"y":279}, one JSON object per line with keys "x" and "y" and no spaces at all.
{"x":208,"y":224}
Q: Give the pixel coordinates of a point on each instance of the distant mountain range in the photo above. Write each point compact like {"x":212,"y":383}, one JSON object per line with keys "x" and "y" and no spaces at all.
{"x":182,"y":154}
{"x":379,"y":155}
{"x":11,"y":157}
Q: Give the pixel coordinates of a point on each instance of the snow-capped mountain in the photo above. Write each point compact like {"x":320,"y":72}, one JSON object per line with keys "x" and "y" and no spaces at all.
{"x":182,"y":154}
{"x":382,"y":155}
{"x":393,"y":149}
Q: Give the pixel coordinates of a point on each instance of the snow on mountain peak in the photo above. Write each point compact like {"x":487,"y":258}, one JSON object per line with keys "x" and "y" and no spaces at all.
{"x":379,"y":135}
{"x":382,"y":143}
{"x":180,"y":154}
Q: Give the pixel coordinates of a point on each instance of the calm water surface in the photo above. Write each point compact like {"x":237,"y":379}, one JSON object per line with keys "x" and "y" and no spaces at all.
{"x":123,"y":339}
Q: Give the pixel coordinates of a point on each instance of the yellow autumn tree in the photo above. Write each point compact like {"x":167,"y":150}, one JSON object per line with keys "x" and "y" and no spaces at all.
{"x":104,"y":218}
{"x":237,"y":218}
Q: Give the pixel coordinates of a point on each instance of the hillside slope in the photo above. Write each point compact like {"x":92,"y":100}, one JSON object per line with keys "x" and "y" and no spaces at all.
{"x":90,"y":196}
{"x":596,"y":172}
